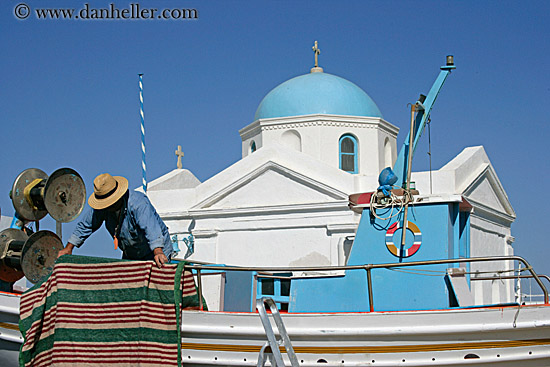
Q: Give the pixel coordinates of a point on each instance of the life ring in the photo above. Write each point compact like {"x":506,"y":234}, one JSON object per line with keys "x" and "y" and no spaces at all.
{"x":395,"y":250}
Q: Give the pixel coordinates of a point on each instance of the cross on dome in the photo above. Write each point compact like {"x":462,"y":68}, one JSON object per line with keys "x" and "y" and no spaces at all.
{"x":316,"y":51}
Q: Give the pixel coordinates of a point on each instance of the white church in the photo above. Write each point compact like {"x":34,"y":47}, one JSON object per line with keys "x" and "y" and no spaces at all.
{"x":315,"y":139}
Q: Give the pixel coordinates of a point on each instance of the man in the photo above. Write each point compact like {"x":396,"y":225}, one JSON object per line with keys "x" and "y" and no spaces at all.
{"x":129,"y":217}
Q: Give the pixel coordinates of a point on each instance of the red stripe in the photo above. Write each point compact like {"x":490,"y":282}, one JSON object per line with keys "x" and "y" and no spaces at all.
{"x":91,"y":354}
{"x":168,"y":273}
{"x":108,"y":279}
{"x":100,"y":277}
{"x":113,"y":265}
{"x":123,"y":307}
{"x":101,"y":352}
{"x":133,"y":361}
{"x":137,"y":344}
{"x":97,"y":282}
{"x":115,"y":269}
{"x":59,"y":269}
{"x":62,"y":278}
{"x":121,"y":320}
{"x":189,"y":294}
{"x":139,"y":312}
{"x":117,"y":317}
{"x":47,"y":359}
{"x":116,"y":311}
{"x":112,"y":273}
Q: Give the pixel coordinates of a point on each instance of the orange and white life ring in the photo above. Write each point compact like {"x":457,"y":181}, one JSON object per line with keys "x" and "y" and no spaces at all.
{"x":395,"y":250}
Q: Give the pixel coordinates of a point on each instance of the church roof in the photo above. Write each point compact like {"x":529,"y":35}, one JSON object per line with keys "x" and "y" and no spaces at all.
{"x":317,"y":93}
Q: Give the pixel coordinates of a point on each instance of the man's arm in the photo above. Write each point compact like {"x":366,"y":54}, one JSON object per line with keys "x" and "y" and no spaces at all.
{"x":149,"y":221}
{"x":91,"y":221}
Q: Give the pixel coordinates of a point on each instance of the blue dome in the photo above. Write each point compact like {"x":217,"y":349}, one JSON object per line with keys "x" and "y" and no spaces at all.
{"x":316,"y":93}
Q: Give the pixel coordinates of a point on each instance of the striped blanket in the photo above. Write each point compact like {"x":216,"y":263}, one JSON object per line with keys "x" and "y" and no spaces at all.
{"x":105,"y":312}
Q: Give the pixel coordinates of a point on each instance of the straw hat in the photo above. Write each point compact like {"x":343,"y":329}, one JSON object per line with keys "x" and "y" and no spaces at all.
{"x":107,"y":190}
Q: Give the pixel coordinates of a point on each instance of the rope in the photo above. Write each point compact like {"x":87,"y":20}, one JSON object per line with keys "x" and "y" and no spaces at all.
{"x":437,"y":272}
{"x":516,"y":315}
{"x":143,"y":166}
{"x":394,"y":201}
{"x":492,"y":271}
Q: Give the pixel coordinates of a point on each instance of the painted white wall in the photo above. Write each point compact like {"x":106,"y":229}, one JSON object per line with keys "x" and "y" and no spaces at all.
{"x":319,"y":137}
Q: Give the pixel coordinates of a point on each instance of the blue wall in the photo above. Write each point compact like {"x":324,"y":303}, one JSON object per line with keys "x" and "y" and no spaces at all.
{"x":444,"y":235}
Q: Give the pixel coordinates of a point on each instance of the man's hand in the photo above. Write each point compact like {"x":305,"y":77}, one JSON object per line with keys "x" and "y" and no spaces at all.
{"x":160,"y":257}
{"x":68,"y":250}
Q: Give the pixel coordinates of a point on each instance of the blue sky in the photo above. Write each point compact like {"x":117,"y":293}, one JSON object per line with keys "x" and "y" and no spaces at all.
{"x":69,"y":88}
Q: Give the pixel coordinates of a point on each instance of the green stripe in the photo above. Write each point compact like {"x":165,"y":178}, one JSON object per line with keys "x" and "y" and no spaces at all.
{"x":116,"y":295}
{"x":100,"y":336}
{"x":116,"y":335}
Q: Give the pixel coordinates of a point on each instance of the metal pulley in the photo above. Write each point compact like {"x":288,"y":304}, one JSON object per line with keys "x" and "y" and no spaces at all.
{"x":30,"y":256}
{"x":62,"y":195}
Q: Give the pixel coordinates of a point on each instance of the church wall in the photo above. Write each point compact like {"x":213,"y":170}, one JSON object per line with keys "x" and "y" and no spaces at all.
{"x":490,"y":239}
{"x":278,"y":247}
{"x":270,"y":237}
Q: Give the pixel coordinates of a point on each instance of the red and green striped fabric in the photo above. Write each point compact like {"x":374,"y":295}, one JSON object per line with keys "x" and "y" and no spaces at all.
{"x":105,"y":312}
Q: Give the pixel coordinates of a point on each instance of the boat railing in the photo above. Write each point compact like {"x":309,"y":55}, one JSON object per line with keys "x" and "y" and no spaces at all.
{"x":199,"y":268}
{"x":523,"y":296}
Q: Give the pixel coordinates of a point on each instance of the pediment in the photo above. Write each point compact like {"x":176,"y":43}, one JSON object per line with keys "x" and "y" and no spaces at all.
{"x":174,"y":180}
{"x":271,"y":185}
{"x":487,"y":190}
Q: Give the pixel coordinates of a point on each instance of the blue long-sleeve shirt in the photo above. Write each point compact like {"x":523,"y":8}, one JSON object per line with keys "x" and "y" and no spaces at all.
{"x":141,"y":231}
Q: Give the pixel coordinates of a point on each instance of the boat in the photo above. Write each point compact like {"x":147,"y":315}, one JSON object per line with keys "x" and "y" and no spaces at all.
{"x":402,"y":299}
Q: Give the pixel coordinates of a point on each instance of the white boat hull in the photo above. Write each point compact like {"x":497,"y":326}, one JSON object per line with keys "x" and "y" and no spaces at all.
{"x":472,"y":337}
{"x":10,"y":337}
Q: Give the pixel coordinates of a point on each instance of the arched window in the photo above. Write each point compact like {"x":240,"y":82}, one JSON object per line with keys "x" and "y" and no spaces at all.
{"x":348,"y":153}
{"x":292,"y":139}
{"x":252,"y":146}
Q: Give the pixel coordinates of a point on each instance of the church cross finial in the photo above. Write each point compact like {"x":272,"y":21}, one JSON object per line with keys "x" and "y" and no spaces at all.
{"x":317,"y":51}
{"x":179,"y":153}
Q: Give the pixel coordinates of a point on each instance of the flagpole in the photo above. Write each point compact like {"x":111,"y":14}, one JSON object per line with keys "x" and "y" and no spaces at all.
{"x":143,"y":166}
